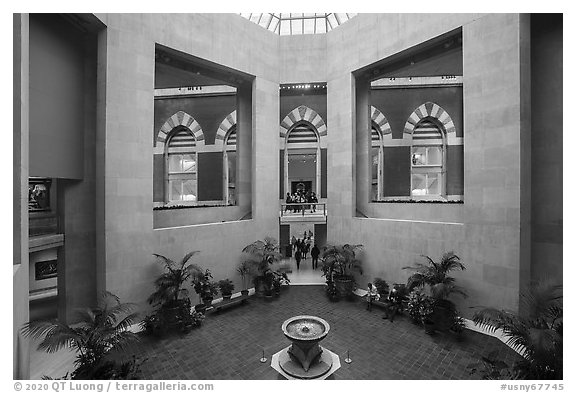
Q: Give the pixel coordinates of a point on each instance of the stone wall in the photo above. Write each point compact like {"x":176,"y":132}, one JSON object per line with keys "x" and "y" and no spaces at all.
{"x":126,"y":264}
{"x":485,"y":231}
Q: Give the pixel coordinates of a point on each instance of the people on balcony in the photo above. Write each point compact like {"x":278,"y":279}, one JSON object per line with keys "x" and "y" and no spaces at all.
{"x":298,"y":199}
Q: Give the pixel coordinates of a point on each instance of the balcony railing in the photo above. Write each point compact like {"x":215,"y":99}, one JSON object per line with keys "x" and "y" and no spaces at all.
{"x":302,"y":209}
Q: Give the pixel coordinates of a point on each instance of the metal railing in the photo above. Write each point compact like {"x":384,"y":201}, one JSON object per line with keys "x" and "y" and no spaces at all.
{"x":293,"y":209}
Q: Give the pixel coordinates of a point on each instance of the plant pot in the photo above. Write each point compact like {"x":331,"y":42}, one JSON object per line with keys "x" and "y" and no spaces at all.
{"x":344,"y":286}
{"x":429,"y":327}
{"x":259,"y":286}
{"x":170,"y":315}
{"x":244,"y":292}
{"x":227,"y":296}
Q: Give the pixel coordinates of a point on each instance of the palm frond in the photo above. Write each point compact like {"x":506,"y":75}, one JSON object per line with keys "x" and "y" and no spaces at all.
{"x":451,"y":261}
{"x":541,"y":299}
{"x":85,"y":315}
{"x":54,"y":335}
{"x":167,"y":262}
{"x":187,"y":258}
{"x":118,"y":311}
{"x":493,"y":319}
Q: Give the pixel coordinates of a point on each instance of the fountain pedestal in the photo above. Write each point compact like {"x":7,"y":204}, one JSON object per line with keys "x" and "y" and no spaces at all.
{"x":305,"y":354}
{"x":305,"y":358}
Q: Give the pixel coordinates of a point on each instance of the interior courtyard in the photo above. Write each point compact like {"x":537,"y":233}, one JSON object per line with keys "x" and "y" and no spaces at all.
{"x":141,"y":137}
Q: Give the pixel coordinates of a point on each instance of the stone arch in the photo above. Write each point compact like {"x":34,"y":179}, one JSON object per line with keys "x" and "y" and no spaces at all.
{"x":303,"y":113}
{"x":179,"y":118}
{"x":296,"y":125}
{"x":381,"y":122}
{"x":435,"y":111}
{"x":225,"y":126}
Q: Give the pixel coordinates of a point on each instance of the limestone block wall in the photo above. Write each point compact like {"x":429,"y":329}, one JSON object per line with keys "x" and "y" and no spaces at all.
{"x":20,"y":282}
{"x":485,"y":231}
{"x":303,"y":58}
{"x":125,"y":262}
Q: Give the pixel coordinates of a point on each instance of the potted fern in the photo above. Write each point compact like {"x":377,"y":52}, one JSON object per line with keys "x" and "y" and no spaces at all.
{"x":226,"y":287}
{"x":205,"y":287}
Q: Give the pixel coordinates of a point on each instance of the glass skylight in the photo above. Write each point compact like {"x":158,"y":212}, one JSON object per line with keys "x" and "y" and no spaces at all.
{"x":299,"y":23}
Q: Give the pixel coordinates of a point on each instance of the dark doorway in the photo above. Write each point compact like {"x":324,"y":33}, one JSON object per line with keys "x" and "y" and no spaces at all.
{"x":301,"y":185}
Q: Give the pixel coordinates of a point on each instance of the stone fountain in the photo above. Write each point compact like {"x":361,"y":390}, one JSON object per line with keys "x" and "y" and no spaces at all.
{"x":305,"y":358}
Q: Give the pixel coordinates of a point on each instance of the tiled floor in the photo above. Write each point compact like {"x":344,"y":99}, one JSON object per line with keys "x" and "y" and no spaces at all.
{"x":230,"y":344}
{"x":305,"y":275}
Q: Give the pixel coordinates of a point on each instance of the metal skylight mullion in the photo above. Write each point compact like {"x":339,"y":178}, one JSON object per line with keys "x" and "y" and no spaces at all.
{"x":270,"y":21}
{"x":337,"y":18}
{"x":329,"y":23}
{"x":277,"y":24}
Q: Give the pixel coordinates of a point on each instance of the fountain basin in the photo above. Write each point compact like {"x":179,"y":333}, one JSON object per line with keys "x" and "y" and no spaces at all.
{"x":305,"y":329}
{"x":304,"y":359}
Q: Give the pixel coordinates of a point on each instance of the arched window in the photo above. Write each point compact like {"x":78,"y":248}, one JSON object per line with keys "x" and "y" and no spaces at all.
{"x":377,"y":155}
{"x":381,"y":133}
{"x":302,"y":134}
{"x":226,"y":138}
{"x":182,"y":165}
{"x":303,"y":158}
{"x":428,"y":159}
{"x":230,"y":166}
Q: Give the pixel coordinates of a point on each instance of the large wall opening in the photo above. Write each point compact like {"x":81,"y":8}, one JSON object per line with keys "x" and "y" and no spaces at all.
{"x":62,"y":170}
{"x":303,"y":144}
{"x":409,"y":127}
{"x":202,"y":141}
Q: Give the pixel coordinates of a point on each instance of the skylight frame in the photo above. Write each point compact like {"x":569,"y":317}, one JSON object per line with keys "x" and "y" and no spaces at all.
{"x":296,"y":23}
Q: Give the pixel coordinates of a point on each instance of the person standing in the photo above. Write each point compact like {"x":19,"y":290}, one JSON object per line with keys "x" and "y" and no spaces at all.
{"x":293,"y":242}
{"x":298,"y":257}
{"x":314,"y":200}
{"x":315,"y":253}
{"x":288,"y":201}
{"x":306,"y":249}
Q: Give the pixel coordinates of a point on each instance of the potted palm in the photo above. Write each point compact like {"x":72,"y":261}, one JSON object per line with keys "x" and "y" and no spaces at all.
{"x":537,"y":334}
{"x":226,"y":287}
{"x":99,"y":337}
{"x":244,"y":271}
{"x":339,"y":262}
{"x":433,"y":278}
{"x":262,"y":254}
{"x":171,"y":295}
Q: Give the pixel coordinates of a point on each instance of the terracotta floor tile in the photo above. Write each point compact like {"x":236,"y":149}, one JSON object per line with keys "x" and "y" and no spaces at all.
{"x":229,"y":344}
